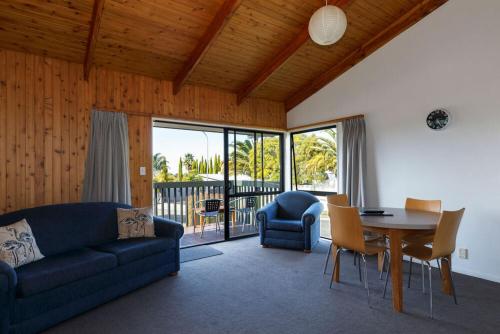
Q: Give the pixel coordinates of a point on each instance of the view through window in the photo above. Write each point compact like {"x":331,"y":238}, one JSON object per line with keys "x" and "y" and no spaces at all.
{"x":314,"y":166}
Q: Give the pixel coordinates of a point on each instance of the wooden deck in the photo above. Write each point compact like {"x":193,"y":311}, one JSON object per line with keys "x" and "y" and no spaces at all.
{"x":192,"y":238}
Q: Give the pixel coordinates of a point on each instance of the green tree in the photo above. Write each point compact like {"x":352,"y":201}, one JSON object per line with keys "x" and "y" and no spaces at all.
{"x":188,"y":161}
{"x":159,"y":162}
{"x":179,"y":171}
{"x":160,"y":168}
{"x":195,"y":167}
{"x":315,"y":155}
{"x":211,"y":167}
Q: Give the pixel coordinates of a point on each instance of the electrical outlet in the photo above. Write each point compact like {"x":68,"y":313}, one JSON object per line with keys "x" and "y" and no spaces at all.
{"x":463,"y":253}
{"x":142,"y":171}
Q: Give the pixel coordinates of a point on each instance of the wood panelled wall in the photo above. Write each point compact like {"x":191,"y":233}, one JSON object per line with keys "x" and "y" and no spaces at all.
{"x":45,"y":107}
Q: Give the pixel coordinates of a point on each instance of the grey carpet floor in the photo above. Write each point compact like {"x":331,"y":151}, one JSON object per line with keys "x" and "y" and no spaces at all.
{"x":198,"y":253}
{"x":250,"y":289}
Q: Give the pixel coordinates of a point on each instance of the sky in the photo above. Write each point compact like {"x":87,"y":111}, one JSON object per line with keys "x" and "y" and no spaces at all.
{"x":174,"y":143}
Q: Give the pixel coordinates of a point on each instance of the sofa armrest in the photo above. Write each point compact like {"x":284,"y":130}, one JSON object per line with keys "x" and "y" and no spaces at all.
{"x":168,"y":228}
{"x":8,"y":283}
{"x":265,"y":214}
{"x":8,"y":278}
{"x":312,"y":214}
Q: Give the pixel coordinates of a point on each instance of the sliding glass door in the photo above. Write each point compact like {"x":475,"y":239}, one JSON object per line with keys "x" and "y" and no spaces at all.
{"x":196,"y":166}
{"x":253,"y":174}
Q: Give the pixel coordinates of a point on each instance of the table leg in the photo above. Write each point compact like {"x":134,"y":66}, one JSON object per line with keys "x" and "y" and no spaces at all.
{"x":445,"y":274}
{"x":336,"y":274}
{"x":380,"y":261}
{"x":202,"y":220}
{"x":396,"y":270}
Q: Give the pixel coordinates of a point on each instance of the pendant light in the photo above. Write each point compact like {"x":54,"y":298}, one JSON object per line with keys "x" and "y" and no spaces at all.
{"x":327,"y":25}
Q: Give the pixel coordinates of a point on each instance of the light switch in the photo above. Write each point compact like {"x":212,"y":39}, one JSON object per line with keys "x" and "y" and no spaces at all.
{"x":463,"y":253}
{"x":142,"y":171}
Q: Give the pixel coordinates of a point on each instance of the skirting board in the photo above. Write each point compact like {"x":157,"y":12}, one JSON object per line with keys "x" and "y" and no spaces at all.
{"x":472,"y":273}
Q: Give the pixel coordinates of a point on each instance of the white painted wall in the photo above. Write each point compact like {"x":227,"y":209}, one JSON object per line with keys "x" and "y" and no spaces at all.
{"x":450,"y":59}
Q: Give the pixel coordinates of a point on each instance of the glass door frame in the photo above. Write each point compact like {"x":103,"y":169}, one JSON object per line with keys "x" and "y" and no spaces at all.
{"x":227,"y":188}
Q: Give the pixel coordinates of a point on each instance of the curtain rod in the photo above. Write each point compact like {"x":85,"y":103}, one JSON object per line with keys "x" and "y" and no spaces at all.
{"x":324,"y":123}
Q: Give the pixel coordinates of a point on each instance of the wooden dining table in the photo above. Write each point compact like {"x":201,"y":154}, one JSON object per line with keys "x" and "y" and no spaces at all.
{"x":396,"y":227}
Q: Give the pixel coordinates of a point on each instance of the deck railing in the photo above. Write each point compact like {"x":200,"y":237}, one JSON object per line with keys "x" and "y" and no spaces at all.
{"x":177,"y":200}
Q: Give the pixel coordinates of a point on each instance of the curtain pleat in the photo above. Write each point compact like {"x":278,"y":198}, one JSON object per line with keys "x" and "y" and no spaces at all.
{"x":107,"y":176}
{"x":352,"y":161}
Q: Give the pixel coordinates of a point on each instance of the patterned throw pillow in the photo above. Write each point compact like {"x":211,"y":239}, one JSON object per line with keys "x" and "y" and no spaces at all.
{"x":135,"y":223}
{"x":18,"y":245}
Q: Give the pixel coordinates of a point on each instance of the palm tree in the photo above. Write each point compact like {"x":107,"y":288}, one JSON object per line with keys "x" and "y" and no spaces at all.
{"x":188,"y":161}
{"x":159,"y":162}
{"x":243,"y":153}
{"x":327,"y":147}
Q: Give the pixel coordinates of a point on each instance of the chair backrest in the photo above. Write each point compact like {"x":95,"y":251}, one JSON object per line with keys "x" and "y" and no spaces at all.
{"x":293,"y":204}
{"x":423,"y":205}
{"x":446,"y":233}
{"x":250,"y":202}
{"x":347,"y":225}
{"x":212,"y":205}
{"x":339,"y":200}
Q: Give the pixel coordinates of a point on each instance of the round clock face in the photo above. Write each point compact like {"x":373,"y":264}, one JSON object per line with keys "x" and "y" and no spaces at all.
{"x":438,"y":119}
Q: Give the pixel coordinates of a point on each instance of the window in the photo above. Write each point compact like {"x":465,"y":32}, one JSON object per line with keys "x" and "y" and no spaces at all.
{"x":314,"y":166}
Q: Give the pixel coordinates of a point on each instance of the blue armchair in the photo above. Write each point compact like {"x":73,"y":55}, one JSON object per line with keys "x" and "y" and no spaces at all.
{"x":292,"y":220}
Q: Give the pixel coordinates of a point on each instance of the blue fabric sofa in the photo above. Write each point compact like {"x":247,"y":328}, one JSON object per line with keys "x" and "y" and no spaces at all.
{"x":84,"y":265}
{"x":292,"y":220}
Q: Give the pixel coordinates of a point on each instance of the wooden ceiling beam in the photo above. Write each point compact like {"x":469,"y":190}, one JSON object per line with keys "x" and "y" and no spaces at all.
{"x":214,"y":29}
{"x":95,"y":24}
{"x":418,"y":12}
{"x":274,"y":64}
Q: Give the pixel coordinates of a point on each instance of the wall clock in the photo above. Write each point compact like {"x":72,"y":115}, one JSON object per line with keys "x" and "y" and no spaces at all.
{"x":438,"y":119}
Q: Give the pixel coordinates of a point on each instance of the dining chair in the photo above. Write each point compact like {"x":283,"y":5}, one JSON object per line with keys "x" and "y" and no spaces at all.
{"x":443,"y":245}
{"x":339,"y":200}
{"x":210,"y":209}
{"x":248,"y":211}
{"x":424,"y":237}
{"x":346,"y":223}
{"x":343,"y":200}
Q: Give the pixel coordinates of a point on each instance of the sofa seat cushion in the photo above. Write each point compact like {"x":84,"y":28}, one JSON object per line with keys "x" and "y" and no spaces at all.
{"x":58,"y":270}
{"x":128,"y":250}
{"x":285,"y":225}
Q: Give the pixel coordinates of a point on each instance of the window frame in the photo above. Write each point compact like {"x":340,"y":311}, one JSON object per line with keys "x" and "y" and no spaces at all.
{"x":293,"y":169}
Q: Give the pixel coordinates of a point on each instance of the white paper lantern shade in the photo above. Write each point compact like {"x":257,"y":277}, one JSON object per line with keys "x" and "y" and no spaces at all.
{"x":327,"y":25}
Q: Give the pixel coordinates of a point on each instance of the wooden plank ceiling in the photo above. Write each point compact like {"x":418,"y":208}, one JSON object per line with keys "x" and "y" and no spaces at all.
{"x":256,"y":48}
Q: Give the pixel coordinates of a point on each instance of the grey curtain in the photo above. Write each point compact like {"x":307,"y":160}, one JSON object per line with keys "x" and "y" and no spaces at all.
{"x":107,"y":176}
{"x":352,"y":161}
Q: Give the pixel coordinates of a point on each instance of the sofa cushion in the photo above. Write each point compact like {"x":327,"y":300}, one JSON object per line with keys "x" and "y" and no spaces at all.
{"x":135,"y":223}
{"x":128,"y":250}
{"x":97,"y":287}
{"x":57,"y":270}
{"x":18,"y":245}
{"x":285,"y":225}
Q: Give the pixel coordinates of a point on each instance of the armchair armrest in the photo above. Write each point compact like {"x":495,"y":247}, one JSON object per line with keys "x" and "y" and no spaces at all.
{"x":168,"y":228}
{"x":8,"y":278}
{"x":270,"y":211}
{"x":312,"y":214}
